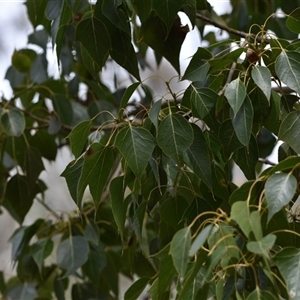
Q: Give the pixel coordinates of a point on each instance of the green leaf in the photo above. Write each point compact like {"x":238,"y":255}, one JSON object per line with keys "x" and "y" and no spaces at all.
{"x":72,"y":253}
{"x":203,"y":105}
{"x":154,"y":34}
{"x":262,"y":77}
{"x":136,"y":289}
{"x":288,"y":263}
{"x":200,"y":239}
{"x":242,"y":122}
{"x":154,"y":112}
{"x":279,"y":190}
{"x":198,"y":67}
{"x":166,"y":274}
{"x":53,"y":9}
{"x":136,"y":144}
{"x":289,"y":130}
{"x":118,"y":204}
{"x":258,"y":294}
{"x":286,"y":164}
{"x":18,"y":199}
{"x":179,"y":250}
{"x":78,"y":137}
{"x":174,"y":136}
{"x":97,"y":165}
{"x":198,"y":157}
{"x":40,"y":250}
{"x":34,"y":8}
{"x":13,"y":122}
{"x":127,"y":95}
{"x":293,"y":21}
{"x":236,"y":95}
{"x":72,"y":174}
{"x":93,"y":35}
{"x":63,"y":108}
{"x":287,"y":67}
{"x":33,"y":166}
{"x":262,"y":246}
{"x":25,"y":291}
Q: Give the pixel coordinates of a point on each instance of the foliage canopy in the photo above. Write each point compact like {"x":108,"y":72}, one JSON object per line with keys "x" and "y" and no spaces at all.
{"x":164,"y":208}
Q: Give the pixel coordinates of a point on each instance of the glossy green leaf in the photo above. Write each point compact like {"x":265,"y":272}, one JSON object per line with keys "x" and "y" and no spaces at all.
{"x":97,"y":165}
{"x":262,"y":77}
{"x":136,"y":144}
{"x":93,"y":35}
{"x":243,"y":121}
{"x":72,"y":175}
{"x":13,"y":122}
{"x":289,"y":130}
{"x":198,"y":67}
{"x":41,"y":250}
{"x":72,"y":253}
{"x":236,"y":94}
{"x":287,"y":66}
{"x":198,"y":157}
{"x":293,"y":21}
{"x":78,"y":137}
{"x":33,"y":166}
{"x":174,"y":136}
{"x":262,"y":246}
{"x":288,"y":263}
{"x":201,"y":238}
{"x":279,"y":190}
{"x":136,"y":289}
{"x":179,"y":250}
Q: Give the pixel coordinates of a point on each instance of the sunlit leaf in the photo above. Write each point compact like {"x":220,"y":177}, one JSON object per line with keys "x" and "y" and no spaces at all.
{"x":179,"y":250}
{"x":287,"y":66}
{"x":279,"y":190}
{"x":72,"y":253}
{"x":136,"y":145}
{"x":13,"y":122}
{"x":175,"y":135}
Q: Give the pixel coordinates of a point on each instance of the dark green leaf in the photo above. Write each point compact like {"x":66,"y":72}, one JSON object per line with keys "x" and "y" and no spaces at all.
{"x":288,"y":263}
{"x":262,"y":77}
{"x":175,"y":135}
{"x":280,"y":189}
{"x":166,"y":274}
{"x":198,"y":157}
{"x":97,"y":166}
{"x":289,"y":130}
{"x":63,"y":108}
{"x":259,"y":294}
{"x":93,"y":35}
{"x":243,"y":121}
{"x":154,"y":112}
{"x":179,"y":250}
{"x":78,"y":137}
{"x":293,"y":21}
{"x":41,"y":250}
{"x":136,"y":145}
{"x":136,"y":289}
{"x":236,"y":94}
{"x":13,"y":122}
{"x":33,"y":166}
{"x":287,"y":66}
{"x":72,"y":253}
{"x":127,"y":95}
{"x":198,"y":66}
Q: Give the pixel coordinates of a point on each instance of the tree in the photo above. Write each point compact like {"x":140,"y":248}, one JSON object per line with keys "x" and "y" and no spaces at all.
{"x":164,"y":209}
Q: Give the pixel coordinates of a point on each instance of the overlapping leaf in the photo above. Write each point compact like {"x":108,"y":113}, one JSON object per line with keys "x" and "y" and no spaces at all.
{"x":13,"y":122}
{"x":136,"y":145}
{"x":175,"y":135}
{"x":236,"y":94}
{"x":262,"y":77}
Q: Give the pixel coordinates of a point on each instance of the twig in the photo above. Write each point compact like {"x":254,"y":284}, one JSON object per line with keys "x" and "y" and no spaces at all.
{"x":48,"y":208}
{"x":266,"y":161}
{"x":229,"y":78}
